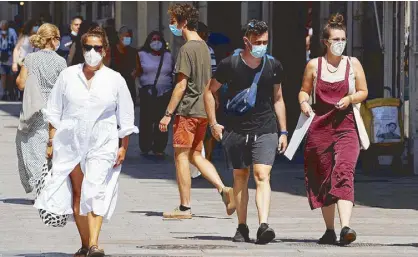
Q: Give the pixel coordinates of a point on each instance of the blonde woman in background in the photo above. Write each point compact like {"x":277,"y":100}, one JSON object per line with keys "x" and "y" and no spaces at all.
{"x":38,"y":74}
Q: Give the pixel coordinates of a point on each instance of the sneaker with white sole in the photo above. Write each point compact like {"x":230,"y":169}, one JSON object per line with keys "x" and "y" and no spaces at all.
{"x":178,"y":214}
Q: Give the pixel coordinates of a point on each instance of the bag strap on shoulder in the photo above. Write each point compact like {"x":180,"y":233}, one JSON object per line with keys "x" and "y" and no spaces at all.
{"x":158,"y":73}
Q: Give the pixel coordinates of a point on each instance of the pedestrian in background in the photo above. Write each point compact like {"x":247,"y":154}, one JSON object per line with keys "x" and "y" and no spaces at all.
{"x":91,"y":116}
{"x":210,"y":142}
{"x":8,"y":41}
{"x":337,"y":84}
{"x":75,"y":56}
{"x":124,"y":59}
{"x":38,"y":75}
{"x":24,"y":46}
{"x":70,"y":36}
{"x":156,"y":79}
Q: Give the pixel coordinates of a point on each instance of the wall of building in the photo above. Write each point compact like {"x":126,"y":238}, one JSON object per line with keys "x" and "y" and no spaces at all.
{"x":413,"y":83}
{"x":7,"y":11}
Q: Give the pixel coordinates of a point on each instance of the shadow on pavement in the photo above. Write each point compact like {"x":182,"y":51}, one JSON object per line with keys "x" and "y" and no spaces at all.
{"x":71,"y":255}
{"x":18,"y":201}
{"x":160,"y":214}
{"x":382,"y":190}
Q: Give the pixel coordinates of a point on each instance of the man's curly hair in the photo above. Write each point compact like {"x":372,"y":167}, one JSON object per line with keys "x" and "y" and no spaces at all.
{"x":255,"y":27}
{"x":185,"y":12}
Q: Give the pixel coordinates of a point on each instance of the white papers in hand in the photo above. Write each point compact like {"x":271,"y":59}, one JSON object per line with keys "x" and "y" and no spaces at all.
{"x":301,"y":128}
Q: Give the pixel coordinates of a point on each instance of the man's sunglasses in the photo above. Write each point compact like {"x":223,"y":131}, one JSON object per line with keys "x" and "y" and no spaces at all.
{"x":88,"y":48}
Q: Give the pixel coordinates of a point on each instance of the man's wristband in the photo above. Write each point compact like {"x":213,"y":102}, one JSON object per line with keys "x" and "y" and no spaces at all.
{"x":284,"y":133}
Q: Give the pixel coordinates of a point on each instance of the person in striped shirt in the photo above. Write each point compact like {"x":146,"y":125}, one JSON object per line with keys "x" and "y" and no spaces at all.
{"x":209,"y":142}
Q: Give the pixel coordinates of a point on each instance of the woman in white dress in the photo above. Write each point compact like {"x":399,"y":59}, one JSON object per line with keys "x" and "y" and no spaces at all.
{"x":91,"y":115}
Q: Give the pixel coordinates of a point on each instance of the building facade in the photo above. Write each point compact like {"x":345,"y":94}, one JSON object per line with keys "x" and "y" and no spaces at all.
{"x":382,"y":35}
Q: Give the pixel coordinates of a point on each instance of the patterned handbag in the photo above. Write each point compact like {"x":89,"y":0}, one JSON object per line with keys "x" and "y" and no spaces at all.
{"x":49,"y":218}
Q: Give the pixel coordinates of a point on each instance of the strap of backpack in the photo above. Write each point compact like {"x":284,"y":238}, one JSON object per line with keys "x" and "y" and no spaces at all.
{"x":258,"y":74}
{"x":235,"y":61}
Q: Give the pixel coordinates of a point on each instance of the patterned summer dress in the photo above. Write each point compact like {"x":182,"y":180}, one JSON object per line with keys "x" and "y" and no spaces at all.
{"x":46,"y":65}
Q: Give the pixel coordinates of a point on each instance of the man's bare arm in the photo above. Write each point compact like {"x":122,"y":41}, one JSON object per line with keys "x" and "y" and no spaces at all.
{"x":178,"y":92}
{"x":209,"y":97}
{"x":279,"y":107}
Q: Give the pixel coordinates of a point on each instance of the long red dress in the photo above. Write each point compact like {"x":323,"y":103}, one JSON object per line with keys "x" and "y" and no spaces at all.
{"x":332,"y":145}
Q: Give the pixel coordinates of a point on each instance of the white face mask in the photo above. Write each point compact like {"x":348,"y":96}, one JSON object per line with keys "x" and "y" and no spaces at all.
{"x":58,"y":46}
{"x":337,"y":48}
{"x":156,"y":45}
{"x":92,"y":58}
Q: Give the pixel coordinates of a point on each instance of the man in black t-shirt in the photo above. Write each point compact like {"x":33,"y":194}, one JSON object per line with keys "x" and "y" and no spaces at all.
{"x":251,"y":139}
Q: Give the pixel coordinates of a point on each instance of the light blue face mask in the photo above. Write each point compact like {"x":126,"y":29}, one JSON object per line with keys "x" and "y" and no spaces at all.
{"x":35,"y":29}
{"x":177,"y":32}
{"x":258,"y":51}
{"x":127,"y":41}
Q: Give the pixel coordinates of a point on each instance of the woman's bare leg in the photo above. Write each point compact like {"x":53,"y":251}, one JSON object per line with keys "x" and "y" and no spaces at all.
{"x":95,"y":225}
{"x":76,"y":177}
{"x":328,"y":212}
{"x":345,"y":209}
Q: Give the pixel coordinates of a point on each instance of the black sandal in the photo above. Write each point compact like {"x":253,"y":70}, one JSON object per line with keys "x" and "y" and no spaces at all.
{"x":329,"y":238}
{"x":82,"y":252}
{"x":347,"y":236}
{"x":96,"y":252}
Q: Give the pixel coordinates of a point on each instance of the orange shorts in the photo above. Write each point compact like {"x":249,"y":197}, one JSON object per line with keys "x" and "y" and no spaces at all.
{"x":189,"y":132}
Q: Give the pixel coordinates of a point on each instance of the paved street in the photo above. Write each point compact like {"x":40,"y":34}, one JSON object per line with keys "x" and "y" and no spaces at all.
{"x":385,"y":218}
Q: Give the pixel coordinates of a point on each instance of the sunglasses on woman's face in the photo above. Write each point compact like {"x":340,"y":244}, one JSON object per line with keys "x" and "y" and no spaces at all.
{"x":88,"y":48}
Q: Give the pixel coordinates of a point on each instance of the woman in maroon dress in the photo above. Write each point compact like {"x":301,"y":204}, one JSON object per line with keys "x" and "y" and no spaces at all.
{"x":332,"y":144}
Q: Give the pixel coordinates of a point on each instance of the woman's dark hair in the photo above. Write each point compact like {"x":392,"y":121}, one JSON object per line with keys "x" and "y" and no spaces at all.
{"x":27,"y":28}
{"x":336,"y":21}
{"x":99,"y":32}
{"x":147,"y":48}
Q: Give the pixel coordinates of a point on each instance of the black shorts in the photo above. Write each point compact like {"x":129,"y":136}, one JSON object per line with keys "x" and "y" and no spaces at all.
{"x":243,"y":151}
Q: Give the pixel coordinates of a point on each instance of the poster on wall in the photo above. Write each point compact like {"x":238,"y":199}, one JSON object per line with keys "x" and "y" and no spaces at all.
{"x":386,"y":124}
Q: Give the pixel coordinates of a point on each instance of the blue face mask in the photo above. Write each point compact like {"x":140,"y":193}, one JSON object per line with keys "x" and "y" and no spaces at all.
{"x":35,"y":29}
{"x":177,"y":32}
{"x":127,"y":41}
{"x":258,"y":51}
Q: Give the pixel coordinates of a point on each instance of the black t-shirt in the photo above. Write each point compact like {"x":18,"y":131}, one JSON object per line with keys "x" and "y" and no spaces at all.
{"x":261,"y":119}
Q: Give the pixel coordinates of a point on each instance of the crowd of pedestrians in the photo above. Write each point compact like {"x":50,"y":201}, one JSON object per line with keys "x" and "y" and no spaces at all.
{"x":78,"y":108}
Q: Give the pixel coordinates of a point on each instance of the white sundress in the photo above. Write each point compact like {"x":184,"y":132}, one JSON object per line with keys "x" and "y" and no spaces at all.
{"x":89,"y":123}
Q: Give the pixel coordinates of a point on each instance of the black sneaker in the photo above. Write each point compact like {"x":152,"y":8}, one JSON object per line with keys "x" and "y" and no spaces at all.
{"x":347,"y":236}
{"x":329,"y":238}
{"x":242,"y":235}
{"x":265,"y":234}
